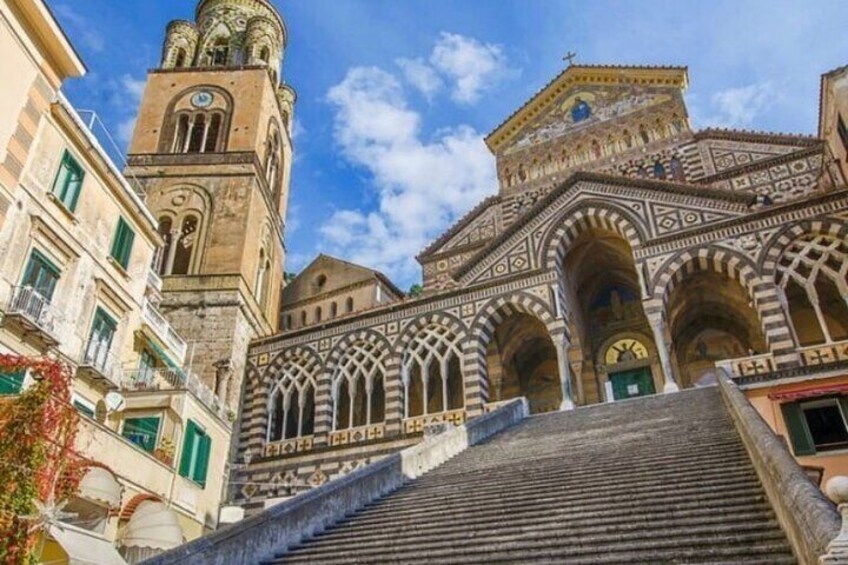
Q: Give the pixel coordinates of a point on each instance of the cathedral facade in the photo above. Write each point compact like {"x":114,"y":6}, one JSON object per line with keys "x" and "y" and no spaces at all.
{"x":624,"y":255}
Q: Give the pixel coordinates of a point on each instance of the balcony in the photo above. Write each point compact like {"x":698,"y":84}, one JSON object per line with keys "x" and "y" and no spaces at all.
{"x":98,"y":365}
{"x":164,"y":332}
{"x":750,"y":366}
{"x":32,"y":315}
{"x":165,"y":380}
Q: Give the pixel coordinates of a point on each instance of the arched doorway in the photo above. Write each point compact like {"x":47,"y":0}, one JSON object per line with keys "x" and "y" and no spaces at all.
{"x":711,"y":318}
{"x":521,"y":361}
{"x":602,"y":291}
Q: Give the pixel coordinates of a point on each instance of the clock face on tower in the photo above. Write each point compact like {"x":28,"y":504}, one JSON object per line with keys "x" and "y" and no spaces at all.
{"x":624,"y":350}
{"x":202,"y":99}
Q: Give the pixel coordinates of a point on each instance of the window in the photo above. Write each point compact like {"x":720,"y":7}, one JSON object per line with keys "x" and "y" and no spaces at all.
{"x":11,"y":383}
{"x":83,"y":405}
{"x":100,"y":339}
{"x":143,"y":432}
{"x":122,"y":244}
{"x":303,"y":318}
{"x":334,"y":310}
{"x":317,"y":314}
{"x":816,"y":425}
{"x":195,"y":459}
{"x":41,"y":275}
{"x":180,"y":58}
{"x":843,"y":131}
{"x":68,"y":182}
{"x":198,"y":132}
{"x":219,"y":53}
{"x":349,"y":304}
{"x":184,"y":243}
{"x":146,"y":367}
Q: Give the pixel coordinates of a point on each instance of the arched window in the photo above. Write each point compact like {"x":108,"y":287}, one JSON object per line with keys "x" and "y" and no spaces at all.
{"x":358,"y":393}
{"x":317,"y":314}
{"x":291,"y":406}
{"x":198,"y":132}
{"x":184,"y":247}
{"x":265,"y":54}
{"x":677,"y":172}
{"x":303,"y":318}
{"x":349,"y":304}
{"x":334,"y":310}
{"x":261,"y":275}
{"x":813,"y":273}
{"x":165,"y":227}
{"x":431,"y":373}
{"x":272,"y":162}
{"x":180,"y":58}
{"x":219,"y":52}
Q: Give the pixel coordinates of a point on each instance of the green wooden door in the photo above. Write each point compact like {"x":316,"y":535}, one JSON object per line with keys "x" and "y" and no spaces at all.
{"x":633,"y":383}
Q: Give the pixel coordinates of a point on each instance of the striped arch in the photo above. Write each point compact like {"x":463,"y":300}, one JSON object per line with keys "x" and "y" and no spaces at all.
{"x":775,"y":247}
{"x":483,"y":330}
{"x":254,"y":426}
{"x":392,"y":386}
{"x":395,"y":395}
{"x":574,"y":221}
{"x":738,"y":267}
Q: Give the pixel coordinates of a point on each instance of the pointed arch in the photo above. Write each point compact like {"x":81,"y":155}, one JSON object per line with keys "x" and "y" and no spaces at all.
{"x":573,"y":221}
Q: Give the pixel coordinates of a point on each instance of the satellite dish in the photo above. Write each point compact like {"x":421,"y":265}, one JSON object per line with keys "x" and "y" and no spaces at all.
{"x":115,"y":402}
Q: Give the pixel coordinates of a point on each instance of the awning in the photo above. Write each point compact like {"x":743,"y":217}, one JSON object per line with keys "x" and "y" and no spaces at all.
{"x":85,"y":548}
{"x":809,"y":392}
{"x":153,"y":525}
{"x":100,"y":485}
{"x":160,"y":352}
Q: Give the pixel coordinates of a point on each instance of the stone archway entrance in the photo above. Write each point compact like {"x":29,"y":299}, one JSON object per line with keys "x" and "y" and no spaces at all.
{"x":522,"y":361}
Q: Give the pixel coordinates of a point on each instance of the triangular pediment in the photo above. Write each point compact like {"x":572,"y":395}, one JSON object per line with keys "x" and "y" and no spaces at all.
{"x":583,"y":97}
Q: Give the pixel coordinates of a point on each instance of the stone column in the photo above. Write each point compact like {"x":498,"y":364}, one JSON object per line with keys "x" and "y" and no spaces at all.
{"x":561,"y":344}
{"x":659,"y":328}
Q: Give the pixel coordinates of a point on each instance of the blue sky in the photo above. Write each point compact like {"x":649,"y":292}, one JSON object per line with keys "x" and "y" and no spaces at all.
{"x":394,"y":96}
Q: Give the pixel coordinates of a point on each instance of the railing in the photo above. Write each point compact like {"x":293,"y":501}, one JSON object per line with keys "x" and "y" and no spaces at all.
{"x":416,"y":424}
{"x":97,"y":357}
{"x":166,"y":333}
{"x":358,"y":434}
{"x":288,"y":446}
{"x":35,"y":308}
{"x":824,"y":353}
{"x":761,"y":364}
{"x":174,"y":379}
{"x":154,"y":281}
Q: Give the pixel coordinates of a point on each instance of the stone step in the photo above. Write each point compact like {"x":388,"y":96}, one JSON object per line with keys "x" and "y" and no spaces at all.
{"x":682,"y":485}
{"x":564,"y":482}
{"x":550,"y":521}
{"x":676,"y":543}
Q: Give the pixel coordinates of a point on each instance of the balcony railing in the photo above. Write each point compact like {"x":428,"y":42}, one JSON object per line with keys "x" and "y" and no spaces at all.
{"x":824,"y":353}
{"x":34,"y":311}
{"x":97,"y":363}
{"x":175,"y":379}
{"x":163,"y":329}
{"x":748,"y":366}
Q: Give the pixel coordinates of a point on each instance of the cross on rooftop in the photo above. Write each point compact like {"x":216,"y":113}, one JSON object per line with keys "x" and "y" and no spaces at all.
{"x":570,"y":57}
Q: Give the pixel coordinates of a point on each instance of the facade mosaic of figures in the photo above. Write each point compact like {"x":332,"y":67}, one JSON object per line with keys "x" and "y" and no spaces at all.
{"x":624,"y":255}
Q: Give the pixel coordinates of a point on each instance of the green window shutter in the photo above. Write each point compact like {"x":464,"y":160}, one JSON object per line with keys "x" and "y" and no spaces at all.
{"x":68,"y":182}
{"x":11,"y":383}
{"x":41,"y":274}
{"x":202,"y":466}
{"x":122,"y":244}
{"x":796,"y":425}
{"x":188,"y":449}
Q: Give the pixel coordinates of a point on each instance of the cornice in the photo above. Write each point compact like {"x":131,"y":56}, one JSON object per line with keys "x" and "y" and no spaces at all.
{"x":458,"y":226}
{"x":763,"y":164}
{"x":777,"y":138}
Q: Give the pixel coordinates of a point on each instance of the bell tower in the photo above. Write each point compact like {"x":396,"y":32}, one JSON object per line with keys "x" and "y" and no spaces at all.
{"x":212,"y":151}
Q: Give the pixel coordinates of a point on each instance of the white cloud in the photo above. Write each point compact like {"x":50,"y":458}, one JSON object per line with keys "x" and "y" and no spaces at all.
{"x":737,"y":107}
{"x":471,"y":65}
{"x":89,"y":36}
{"x":421,"y":75}
{"x":422,"y":185}
{"x":128,"y":93}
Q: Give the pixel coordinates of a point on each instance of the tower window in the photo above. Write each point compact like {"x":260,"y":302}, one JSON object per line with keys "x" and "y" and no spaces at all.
{"x":199,"y":132}
{"x":303,"y":318}
{"x":180,"y":59}
{"x":317,"y":314}
{"x":265,"y":54}
{"x":349,"y":304}
{"x":220,"y":52}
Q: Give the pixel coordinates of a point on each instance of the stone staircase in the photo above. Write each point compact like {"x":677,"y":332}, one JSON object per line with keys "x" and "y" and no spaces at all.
{"x":661,"y":479}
